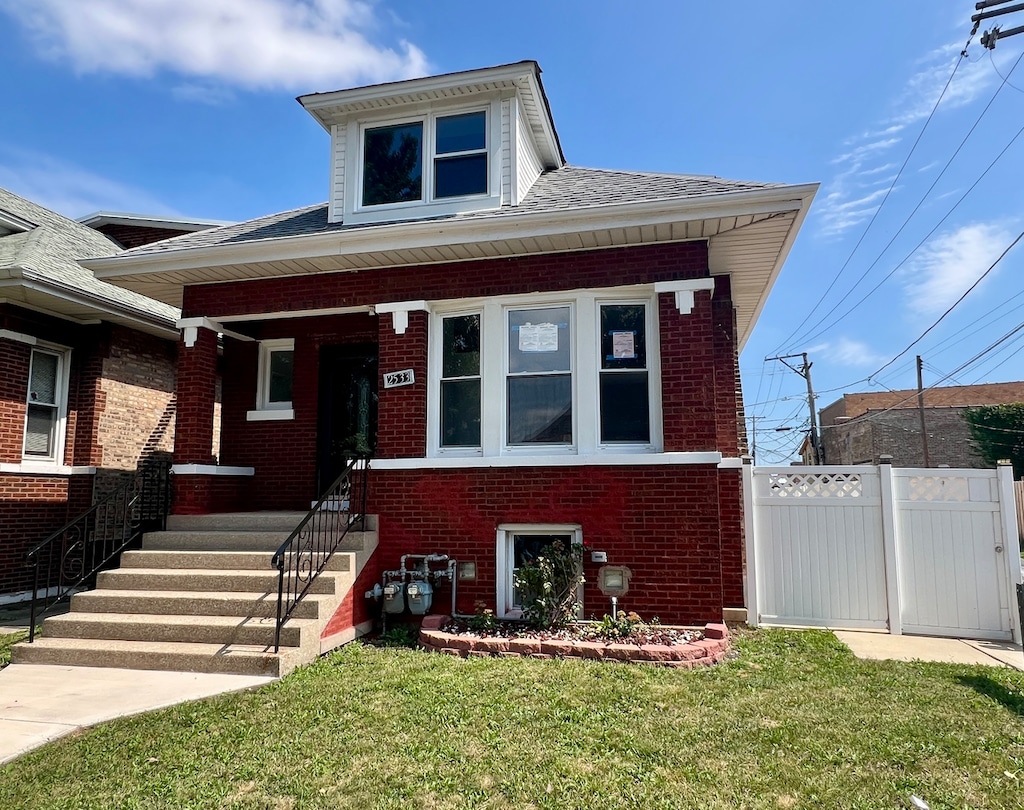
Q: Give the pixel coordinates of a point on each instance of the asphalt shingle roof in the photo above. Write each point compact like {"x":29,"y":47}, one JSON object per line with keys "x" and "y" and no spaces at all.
{"x":567,"y":188}
{"x":47,"y":253}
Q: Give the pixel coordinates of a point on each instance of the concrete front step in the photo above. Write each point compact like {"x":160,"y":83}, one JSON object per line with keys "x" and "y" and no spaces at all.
{"x":217,"y":560}
{"x":194,"y":579}
{"x":234,"y":659}
{"x":251,"y":521}
{"x":192,"y":603}
{"x":171,"y":628}
{"x":266,"y":542}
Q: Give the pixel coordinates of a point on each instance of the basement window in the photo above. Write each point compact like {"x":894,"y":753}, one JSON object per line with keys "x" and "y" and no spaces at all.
{"x":519,"y":545}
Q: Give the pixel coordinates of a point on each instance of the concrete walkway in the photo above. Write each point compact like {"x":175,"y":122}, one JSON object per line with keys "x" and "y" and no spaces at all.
{"x":880,"y":646}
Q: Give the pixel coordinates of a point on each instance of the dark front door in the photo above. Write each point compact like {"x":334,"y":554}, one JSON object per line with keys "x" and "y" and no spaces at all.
{"x":348,"y":408}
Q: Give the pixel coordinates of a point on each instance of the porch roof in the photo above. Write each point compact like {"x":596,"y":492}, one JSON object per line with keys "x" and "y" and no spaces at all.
{"x":749,"y":226}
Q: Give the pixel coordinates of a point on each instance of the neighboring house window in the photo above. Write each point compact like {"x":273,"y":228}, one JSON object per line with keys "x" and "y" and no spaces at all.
{"x":539,"y":404}
{"x":460,"y":381}
{"x":519,"y":545}
{"x":450,"y":149}
{"x":547,"y":373}
{"x":274,"y":381}
{"x":46,"y":405}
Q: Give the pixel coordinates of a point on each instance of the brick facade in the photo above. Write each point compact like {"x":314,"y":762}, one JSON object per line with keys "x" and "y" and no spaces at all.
{"x":677,"y":527}
{"x":120,"y":407}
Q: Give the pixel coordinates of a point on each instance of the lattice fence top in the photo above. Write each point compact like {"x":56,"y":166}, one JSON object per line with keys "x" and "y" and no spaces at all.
{"x":934,"y":488}
{"x":815,"y":485}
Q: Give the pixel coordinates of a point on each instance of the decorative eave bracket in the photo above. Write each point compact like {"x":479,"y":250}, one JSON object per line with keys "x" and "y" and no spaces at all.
{"x":684,"y":290}
{"x":190,"y":330}
{"x":400,"y":313}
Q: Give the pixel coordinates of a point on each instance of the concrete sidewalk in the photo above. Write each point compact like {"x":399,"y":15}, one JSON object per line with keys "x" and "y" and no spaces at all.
{"x":881,"y":646}
{"x":39,"y":703}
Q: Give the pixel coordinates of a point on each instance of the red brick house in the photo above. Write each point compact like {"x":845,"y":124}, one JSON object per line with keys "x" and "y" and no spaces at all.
{"x":87,"y":375}
{"x":527,"y":349}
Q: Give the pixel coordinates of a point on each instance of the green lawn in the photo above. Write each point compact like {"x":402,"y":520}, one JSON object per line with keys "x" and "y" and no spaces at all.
{"x":793,"y":721}
{"x":7,"y":641}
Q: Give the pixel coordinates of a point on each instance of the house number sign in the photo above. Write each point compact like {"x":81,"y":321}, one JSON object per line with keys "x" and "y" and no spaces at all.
{"x":396,"y":379}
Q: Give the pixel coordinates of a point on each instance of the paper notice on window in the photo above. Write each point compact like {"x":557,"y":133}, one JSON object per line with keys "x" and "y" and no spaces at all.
{"x":623,"y":346}
{"x":538,"y":337}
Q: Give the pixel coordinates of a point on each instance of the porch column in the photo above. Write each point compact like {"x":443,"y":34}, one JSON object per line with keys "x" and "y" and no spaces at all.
{"x":196,"y":395}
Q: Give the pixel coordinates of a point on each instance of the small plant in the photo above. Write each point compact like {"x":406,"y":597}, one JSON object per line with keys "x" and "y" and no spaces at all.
{"x":401,"y":635}
{"x":482,"y":620}
{"x":548,"y":586}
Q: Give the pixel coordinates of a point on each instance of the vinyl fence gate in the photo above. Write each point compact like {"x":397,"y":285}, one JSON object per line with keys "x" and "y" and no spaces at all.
{"x":923,"y":551}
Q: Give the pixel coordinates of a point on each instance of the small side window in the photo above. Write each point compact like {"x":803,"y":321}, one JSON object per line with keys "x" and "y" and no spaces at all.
{"x":45,"y":404}
{"x":275,"y":379}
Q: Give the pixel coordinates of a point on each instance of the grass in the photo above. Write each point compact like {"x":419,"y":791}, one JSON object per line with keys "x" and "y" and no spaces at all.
{"x":794,"y":721}
{"x":8,"y":640}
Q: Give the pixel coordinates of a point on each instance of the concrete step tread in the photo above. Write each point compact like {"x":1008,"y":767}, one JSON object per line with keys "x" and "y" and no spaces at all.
{"x":174,"y":647}
{"x":172,"y":618}
{"x":195,"y":560}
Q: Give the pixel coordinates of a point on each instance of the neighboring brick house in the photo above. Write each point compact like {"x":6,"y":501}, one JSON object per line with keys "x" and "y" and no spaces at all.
{"x":564,"y":340}
{"x":87,"y":376}
{"x":859,"y":428}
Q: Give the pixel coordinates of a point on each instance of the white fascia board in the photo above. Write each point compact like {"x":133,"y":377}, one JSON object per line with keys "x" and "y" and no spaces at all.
{"x":213,"y":326}
{"x":313,"y":102}
{"x":787,"y":245}
{"x":433,"y":233}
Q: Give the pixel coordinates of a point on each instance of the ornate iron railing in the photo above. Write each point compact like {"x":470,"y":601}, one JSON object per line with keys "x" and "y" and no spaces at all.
{"x":305,"y":553}
{"x":69,"y":559}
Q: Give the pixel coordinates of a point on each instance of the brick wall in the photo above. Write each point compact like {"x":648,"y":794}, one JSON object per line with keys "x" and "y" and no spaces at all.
{"x":661,"y":522}
{"x":854,"y":405}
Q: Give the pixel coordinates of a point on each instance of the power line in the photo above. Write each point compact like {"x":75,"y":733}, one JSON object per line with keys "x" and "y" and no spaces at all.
{"x":888,"y":191}
{"x":953,"y":306}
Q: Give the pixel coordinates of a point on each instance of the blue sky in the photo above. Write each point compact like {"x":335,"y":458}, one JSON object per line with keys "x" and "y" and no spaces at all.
{"x":187,"y":107}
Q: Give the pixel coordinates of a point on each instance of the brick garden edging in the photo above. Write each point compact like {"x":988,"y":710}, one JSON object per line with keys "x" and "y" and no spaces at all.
{"x":707,"y":651}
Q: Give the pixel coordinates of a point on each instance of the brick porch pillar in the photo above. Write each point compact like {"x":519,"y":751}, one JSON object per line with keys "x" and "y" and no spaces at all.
{"x":193,"y":431}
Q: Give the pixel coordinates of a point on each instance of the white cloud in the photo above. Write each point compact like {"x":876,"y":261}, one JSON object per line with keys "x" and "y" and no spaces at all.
{"x":944,"y":269}
{"x":303,"y":45}
{"x":70,"y":190}
{"x":844,"y":351}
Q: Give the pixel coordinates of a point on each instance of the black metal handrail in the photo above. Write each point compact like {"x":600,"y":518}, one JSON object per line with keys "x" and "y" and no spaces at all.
{"x":69,"y":559}
{"x":306,"y":552}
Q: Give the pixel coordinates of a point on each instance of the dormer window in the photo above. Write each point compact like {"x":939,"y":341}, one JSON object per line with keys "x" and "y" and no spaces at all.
{"x":435,"y":159}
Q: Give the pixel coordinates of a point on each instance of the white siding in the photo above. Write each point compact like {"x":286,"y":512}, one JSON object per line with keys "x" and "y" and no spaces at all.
{"x":336,"y":210}
{"x":528,"y":165}
{"x":506,"y":152}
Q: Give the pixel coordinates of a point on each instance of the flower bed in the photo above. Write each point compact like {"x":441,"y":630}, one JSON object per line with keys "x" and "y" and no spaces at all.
{"x":673,"y":647}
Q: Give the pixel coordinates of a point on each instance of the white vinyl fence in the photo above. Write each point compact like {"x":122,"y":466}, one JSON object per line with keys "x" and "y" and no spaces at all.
{"x":931,"y":551}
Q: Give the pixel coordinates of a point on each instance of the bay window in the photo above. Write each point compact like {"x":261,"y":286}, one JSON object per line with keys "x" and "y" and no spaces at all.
{"x":545,"y":374}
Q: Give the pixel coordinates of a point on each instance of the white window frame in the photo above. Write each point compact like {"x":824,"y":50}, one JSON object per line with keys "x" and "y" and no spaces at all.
{"x":265,"y":409}
{"x":356,"y":212}
{"x":586,"y":368}
{"x":505,"y":560}
{"x":63,"y":355}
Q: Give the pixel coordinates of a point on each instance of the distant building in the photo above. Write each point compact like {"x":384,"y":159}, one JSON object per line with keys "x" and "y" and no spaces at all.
{"x":859,"y":428}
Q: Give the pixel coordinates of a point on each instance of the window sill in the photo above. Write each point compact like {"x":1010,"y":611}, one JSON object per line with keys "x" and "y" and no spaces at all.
{"x":281,"y":415}
{"x":536,"y":460}
{"x":45,"y":468}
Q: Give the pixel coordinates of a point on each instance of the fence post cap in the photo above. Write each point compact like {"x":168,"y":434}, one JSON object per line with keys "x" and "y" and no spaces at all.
{"x":885,"y":458}
{"x":1004,"y":462}
{"x":746,"y":459}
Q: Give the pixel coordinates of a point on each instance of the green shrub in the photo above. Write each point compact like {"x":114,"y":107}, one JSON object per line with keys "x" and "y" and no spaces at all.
{"x":548,"y":586}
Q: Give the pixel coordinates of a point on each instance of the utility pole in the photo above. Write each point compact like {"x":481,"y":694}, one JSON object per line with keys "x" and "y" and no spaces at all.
{"x":920,"y":411}
{"x":994,"y":34}
{"x":805,"y":371}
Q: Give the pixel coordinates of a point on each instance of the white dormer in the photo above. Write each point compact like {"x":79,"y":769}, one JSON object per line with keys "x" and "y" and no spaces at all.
{"x":470,"y":141}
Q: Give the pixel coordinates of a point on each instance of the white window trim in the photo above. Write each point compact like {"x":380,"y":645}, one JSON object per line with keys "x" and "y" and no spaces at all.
{"x":585,"y":316}
{"x":356,"y":212}
{"x":505,"y":559}
{"x":266,"y":410}
{"x":56,"y":460}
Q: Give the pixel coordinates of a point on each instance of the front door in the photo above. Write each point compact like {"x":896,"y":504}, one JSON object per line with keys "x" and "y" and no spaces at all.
{"x":347,"y":422}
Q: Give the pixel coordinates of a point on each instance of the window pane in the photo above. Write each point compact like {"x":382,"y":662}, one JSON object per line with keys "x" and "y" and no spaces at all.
{"x":540,"y":410}
{"x":461,"y":133}
{"x":623,"y":336}
{"x":460,"y":413}
{"x":526,"y":549}
{"x":539,"y":340}
{"x":461,"y":336}
{"x":43,"y":385}
{"x":625,"y":407}
{"x":459,"y":176}
{"x":393,"y":164}
{"x":40,"y":428}
{"x":280,"y":376}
